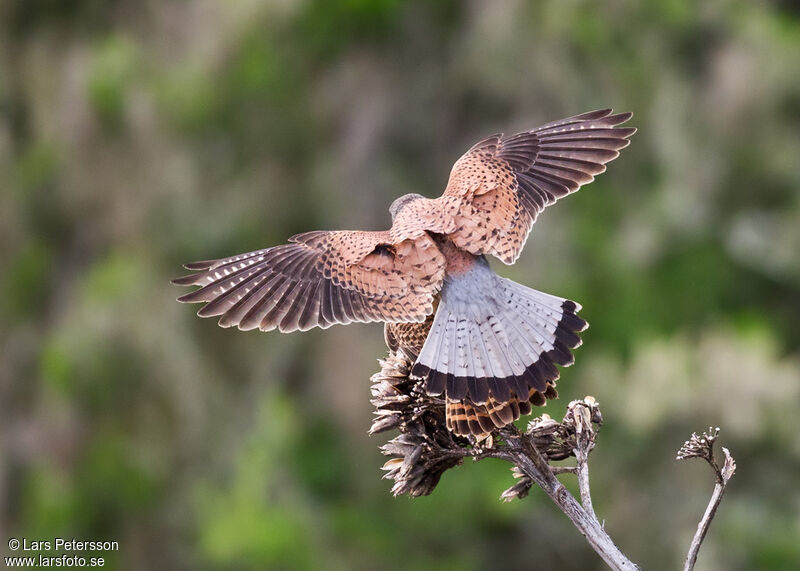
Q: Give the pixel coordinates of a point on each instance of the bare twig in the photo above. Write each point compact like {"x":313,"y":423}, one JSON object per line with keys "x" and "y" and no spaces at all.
{"x":563,"y":470}
{"x":531,"y":464}
{"x":582,"y":471}
{"x":578,"y":434}
{"x":583,"y":412}
{"x":703,"y":447}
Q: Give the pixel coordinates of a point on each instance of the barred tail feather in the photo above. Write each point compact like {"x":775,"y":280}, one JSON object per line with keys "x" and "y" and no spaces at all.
{"x":494,"y":346}
{"x":465,"y":417}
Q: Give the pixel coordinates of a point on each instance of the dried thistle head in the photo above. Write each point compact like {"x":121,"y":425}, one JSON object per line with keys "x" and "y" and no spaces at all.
{"x":425,"y":448}
{"x":391,"y":394}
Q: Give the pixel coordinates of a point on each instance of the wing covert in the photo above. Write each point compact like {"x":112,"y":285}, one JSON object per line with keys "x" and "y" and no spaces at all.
{"x":498,"y":188}
{"x":319,"y":279}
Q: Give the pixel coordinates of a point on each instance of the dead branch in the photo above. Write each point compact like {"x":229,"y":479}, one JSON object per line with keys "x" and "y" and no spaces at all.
{"x":703,"y":447}
{"x":425,"y":449}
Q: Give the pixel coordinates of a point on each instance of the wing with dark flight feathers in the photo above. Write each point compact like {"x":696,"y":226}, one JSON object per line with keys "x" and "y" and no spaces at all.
{"x":497,"y":189}
{"x":495,"y":192}
{"x":320,"y":279}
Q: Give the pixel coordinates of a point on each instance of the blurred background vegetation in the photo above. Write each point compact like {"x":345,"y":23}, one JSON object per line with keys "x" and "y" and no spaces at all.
{"x":135,"y":136}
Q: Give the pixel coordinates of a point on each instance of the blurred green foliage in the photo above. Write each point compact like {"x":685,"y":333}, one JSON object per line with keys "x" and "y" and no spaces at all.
{"x":135,"y":137}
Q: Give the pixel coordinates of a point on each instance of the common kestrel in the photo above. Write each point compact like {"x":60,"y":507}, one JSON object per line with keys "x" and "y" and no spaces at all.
{"x":492,"y":344}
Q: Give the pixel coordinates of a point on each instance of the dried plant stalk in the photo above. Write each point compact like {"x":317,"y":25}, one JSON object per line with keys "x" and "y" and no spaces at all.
{"x":703,"y":447}
{"x":424,"y":449}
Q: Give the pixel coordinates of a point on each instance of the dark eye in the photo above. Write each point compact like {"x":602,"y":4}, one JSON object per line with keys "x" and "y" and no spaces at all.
{"x":384,"y":250}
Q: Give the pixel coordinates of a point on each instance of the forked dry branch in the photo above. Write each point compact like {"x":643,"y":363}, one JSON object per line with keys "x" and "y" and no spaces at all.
{"x":424,"y":449}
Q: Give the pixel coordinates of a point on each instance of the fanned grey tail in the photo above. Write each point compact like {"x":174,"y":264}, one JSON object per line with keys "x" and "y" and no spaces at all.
{"x":494,"y":338}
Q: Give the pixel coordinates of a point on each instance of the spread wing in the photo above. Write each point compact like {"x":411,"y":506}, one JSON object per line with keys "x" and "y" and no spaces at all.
{"x":319,"y":279}
{"x":498,"y":188}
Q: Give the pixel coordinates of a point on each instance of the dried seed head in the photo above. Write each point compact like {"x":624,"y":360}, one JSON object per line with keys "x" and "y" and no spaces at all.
{"x":423,"y":450}
{"x":699,"y":446}
{"x":578,"y":429}
{"x":703,"y":447}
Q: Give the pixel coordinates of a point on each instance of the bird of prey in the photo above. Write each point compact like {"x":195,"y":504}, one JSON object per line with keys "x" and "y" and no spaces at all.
{"x":488,"y":345}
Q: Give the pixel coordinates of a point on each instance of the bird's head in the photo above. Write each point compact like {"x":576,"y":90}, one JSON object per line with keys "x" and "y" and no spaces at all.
{"x":401,"y":202}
